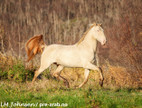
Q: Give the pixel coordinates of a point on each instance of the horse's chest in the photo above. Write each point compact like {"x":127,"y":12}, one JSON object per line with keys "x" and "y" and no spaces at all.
{"x":91,"y":57}
{"x":87,"y":56}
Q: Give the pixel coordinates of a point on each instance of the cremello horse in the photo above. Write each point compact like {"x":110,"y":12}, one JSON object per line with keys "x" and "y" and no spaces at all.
{"x":80,"y":54}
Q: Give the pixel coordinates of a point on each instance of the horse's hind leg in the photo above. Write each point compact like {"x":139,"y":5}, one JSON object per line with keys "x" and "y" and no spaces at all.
{"x":40,"y":70}
{"x":57,"y":73}
{"x":86,"y":75}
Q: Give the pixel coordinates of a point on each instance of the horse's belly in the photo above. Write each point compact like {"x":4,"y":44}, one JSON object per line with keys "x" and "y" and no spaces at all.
{"x":75,"y":60}
{"x":69,"y":61}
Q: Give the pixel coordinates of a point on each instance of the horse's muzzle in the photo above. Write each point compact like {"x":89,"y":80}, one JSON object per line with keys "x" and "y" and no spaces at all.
{"x":104,"y":42}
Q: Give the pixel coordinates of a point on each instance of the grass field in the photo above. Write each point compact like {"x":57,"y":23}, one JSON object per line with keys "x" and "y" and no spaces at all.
{"x":16,"y":90}
{"x":44,"y":94}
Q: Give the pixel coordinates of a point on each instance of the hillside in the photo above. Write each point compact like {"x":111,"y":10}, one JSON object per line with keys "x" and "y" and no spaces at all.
{"x":65,"y":21}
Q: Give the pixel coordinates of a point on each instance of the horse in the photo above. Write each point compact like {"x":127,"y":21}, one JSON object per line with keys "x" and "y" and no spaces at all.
{"x":80,"y":54}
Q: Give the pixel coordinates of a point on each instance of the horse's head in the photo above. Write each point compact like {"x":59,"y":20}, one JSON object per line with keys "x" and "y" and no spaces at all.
{"x":98,"y":34}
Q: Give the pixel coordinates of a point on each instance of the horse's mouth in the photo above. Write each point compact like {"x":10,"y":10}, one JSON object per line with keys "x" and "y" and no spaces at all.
{"x":104,"y":42}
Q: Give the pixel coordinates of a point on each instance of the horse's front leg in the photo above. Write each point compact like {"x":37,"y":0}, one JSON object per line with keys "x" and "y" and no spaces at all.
{"x":86,"y":75}
{"x":97,"y":60}
{"x":93,"y":67}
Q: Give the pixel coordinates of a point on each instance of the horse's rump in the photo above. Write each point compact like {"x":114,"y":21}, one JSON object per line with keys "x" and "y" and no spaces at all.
{"x":33,"y":46}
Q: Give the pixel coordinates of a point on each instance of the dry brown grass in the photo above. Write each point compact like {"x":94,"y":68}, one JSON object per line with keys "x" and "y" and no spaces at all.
{"x":114,"y":77}
{"x":75,"y":76}
{"x":6,"y":61}
{"x":118,"y":76}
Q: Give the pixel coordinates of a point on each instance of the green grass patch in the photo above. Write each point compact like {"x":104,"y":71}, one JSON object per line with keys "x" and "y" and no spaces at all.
{"x":17,"y":73}
{"x":71,"y":98}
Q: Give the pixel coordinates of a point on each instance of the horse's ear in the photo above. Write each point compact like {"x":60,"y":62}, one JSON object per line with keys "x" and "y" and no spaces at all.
{"x":90,"y":25}
{"x":93,"y":24}
{"x":100,"y":24}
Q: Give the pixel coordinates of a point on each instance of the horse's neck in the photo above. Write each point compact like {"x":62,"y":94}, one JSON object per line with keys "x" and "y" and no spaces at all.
{"x":89,"y":41}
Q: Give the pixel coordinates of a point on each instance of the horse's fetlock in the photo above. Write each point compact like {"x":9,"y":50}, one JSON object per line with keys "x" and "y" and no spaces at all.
{"x":55,"y":75}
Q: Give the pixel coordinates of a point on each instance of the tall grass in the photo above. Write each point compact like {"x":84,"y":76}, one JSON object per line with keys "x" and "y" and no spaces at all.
{"x":15,"y":87}
{"x":14,"y":70}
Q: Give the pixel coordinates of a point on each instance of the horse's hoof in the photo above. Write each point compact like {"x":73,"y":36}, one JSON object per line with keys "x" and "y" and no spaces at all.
{"x":67,"y":84}
{"x":76,"y":87}
{"x":101,"y":83}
